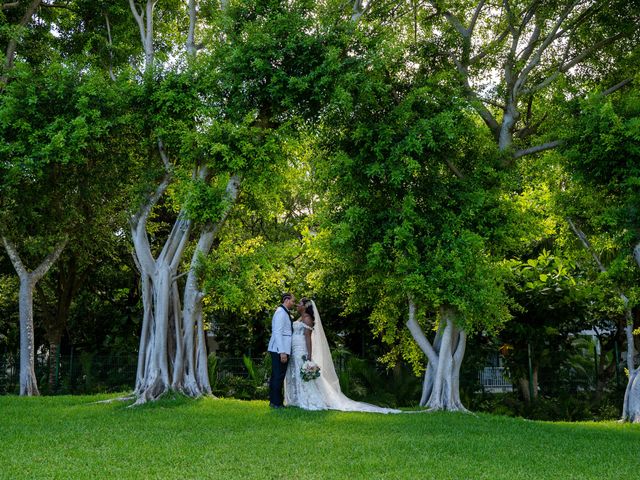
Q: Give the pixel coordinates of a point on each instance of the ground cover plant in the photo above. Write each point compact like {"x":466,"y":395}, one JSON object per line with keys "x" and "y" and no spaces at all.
{"x":75,"y":437}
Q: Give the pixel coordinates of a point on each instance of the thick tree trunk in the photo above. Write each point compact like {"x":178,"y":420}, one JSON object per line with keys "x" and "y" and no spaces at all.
{"x":525,"y":389}
{"x":441,"y":387}
{"x":172,"y":352}
{"x":28,"y":281}
{"x":505,"y":140}
{"x":56,"y":315}
{"x":28,"y":380}
{"x":161,"y":329}
{"x":631,"y":406}
{"x":144,"y":19}
{"x":196,"y":373}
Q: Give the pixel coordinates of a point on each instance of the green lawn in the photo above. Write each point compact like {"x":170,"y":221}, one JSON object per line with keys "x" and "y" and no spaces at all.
{"x":74,"y":437}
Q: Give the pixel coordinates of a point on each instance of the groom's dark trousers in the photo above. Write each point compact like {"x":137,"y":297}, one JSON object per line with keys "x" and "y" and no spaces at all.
{"x":278,"y":372}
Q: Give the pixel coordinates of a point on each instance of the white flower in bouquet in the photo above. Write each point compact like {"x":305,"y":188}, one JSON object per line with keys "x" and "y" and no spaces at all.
{"x":309,"y":370}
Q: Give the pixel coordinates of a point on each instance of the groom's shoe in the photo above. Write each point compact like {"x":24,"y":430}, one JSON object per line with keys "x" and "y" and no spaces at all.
{"x":273,"y":405}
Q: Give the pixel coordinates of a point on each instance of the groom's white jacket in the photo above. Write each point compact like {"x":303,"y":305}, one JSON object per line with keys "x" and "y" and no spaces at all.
{"x":280,"y":341}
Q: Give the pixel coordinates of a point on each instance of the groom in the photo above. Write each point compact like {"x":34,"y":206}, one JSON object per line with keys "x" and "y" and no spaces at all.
{"x":280,"y":348}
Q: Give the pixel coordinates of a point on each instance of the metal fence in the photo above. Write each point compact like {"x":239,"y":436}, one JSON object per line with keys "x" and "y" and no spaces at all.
{"x":85,"y":373}
{"x":76,"y":373}
{"x":494,"y":380}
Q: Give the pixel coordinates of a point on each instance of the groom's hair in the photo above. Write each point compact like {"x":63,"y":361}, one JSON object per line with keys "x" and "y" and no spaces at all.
{"x":286,"y":296}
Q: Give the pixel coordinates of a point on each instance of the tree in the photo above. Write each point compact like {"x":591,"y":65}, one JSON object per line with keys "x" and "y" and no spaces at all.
{"x":601,"y":155}
{"x":218,"y":125}
{"x":507,"y":57}
{"x":47,"y":172}
{"x":553,"y":295}
{"x":404,"y":233}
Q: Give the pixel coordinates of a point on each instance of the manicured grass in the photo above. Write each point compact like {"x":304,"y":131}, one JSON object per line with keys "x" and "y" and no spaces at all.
{"x":74,"y":437}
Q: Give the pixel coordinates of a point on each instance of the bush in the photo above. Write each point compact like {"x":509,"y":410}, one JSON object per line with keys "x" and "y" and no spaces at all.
{"x":249,"y":384}
{"x":566,"y":407}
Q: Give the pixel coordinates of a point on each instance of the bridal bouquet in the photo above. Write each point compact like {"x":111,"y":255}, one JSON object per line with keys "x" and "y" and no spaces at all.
{"x":309,"y":370}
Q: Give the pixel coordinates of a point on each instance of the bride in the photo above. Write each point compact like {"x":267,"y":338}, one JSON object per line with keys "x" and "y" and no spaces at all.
{"x":323,"y":393}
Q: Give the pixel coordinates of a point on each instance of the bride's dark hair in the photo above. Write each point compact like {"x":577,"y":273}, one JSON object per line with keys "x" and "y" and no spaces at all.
{"x":308,"y":308}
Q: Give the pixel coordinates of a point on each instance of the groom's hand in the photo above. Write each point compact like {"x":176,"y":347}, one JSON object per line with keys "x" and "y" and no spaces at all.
{"x":283,"y":358}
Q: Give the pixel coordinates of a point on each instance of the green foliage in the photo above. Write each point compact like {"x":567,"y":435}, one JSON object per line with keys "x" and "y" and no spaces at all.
{"x":413,"y":197}
{"x":9,"y":336}
{"x":213,"y":363}
{"x":553,"y":300}
{"x":572,"y":407}
{"x":59,"y":130}
{"x":363,"y":380}
{"x":253,"y":385}
{"x":602,"y":154}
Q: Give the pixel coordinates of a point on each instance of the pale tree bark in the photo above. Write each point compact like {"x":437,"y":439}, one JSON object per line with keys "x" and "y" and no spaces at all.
{"x":631,"y":406}
{"x":144,"y":18}
{"x":525,"y":389}
{"x":12,"y":46}
{"x":172,"y":354}
{"x":525,"y":45}
{"x":28,"y":281}
{"x":441,"y":386}
{"x":110,"y":43}
{"x":191,"y":42}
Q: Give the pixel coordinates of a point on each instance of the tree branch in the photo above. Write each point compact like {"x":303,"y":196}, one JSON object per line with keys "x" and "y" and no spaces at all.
{"x":52,"y":5}
{"x":489,"y":101}
{"x":522,"y":78}
{"x":6,"y":6}
{"x":358,"y":11}
{"x":145,"y":209}
{"x":617,"y":87}
{"x":529,"y":129}
{"x":453,"y":168}
{"x":586,"y":244}
{"x":625,"y":301}
{"x":175,"y":243}
{"x":140,"y":21}
{"x":163,"y":155}
{"x":452,"y":19}
{"x":528,"y":50}
{"x":485,"y":51}
{"x":536,"y":149}
{"x":232,"y":191}
{"x":474,"y":19}
{"x":577,"y":59}
{"x":191,"y":44}
{"x":14,"y":257}
{"x":13,"y":42}
{"x":419,"y":336}
{"x":111,"y":75}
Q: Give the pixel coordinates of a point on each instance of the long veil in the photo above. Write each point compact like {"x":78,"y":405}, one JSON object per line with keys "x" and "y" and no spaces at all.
{"x":328,"y":382}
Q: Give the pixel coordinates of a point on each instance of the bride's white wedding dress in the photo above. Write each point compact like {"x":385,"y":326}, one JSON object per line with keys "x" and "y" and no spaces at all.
{"x":324,"y":392}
